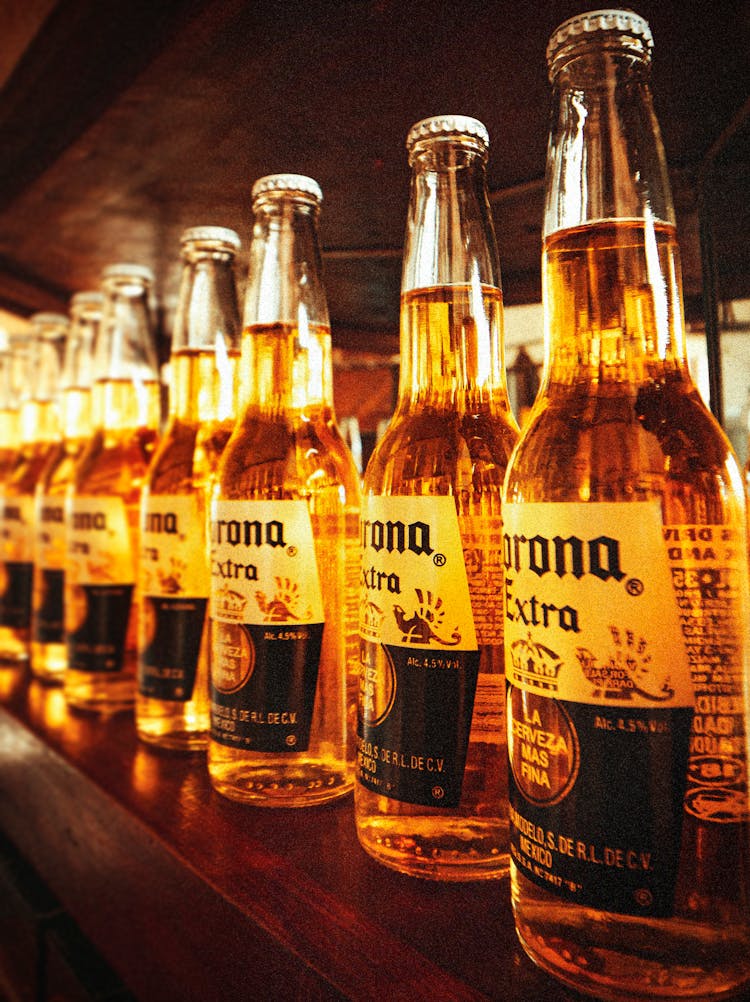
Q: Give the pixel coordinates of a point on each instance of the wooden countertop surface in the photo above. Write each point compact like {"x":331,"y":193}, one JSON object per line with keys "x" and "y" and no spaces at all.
{"x":192,"y":897}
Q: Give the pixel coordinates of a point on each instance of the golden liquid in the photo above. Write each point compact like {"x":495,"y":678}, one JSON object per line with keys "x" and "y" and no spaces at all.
{"x":114,"y":464}
{"x":619,"y":420}
{"x":49,"y":659}
{"x":39,"y":423}
{"x":185,"y":463}
{"x":296,"y":453}
{"x":452,"y":434}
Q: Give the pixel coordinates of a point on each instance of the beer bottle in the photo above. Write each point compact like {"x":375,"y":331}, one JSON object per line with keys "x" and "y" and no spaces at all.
{"x":626,"y":576}
{"x":40,"y":432}
{"x":102,"y":500}
{"x":431,"y":796}
{"x":48,"y":656}
{"x":286,"y":487}
{"x":172,"y":700}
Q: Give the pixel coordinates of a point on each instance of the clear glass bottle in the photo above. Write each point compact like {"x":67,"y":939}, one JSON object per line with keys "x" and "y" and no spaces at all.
{"x":172,"y":700}
{"x":626,"y":577}
{"x":40,"y":432}
{"x":102,"y":500}
{"x":431,"y":796}
{"x":285,"y":499}
{"x":48,"y":653}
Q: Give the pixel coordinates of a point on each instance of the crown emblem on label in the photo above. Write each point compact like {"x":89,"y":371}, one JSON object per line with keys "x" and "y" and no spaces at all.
{"x":627,"y":671}
{"x":535,"y":665}
{"x":230,"y":604}
{"x":371,"y":618}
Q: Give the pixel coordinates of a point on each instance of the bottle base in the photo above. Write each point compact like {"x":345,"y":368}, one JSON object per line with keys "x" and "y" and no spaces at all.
{"x":48,"y":662}
{"x":619,"y":958}
{"x":98,"y":694}
{"x":274,"y":785}
{"x":176,"y":741}
{"x":455,"y":850}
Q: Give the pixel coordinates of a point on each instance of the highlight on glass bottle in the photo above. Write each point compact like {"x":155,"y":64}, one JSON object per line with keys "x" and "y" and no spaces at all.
{"x":283,"y":531}
{"x":48,"y":652}
{"x":172,"y":701}
{"x":626,"y":577}
{"x":102,"y":500}
{"x":431,"y":796}
{"x":37,"y":372}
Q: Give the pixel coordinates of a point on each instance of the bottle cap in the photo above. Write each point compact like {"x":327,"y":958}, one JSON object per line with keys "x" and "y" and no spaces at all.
{"x":127,"y":270}
{"x":299,"y":183}
{"x":213,"y":235}
{"x":46,"y":320}
{"x":445,"y":126}
{"x":89,"y":299}
{"x":628,"y":26}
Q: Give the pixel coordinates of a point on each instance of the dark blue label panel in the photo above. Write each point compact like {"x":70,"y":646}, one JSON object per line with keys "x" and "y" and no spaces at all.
{"x":414,"y":722}
{"x":48,"y":621}
{"x":597,"y":800}
{"x":98,"y":644}
{"x":168,"y":664}
{"x":15,"y":602}
{"x":263,"y":684}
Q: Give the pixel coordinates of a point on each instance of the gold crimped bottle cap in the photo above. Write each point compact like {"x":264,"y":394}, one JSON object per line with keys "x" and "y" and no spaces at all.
{"x":49,"y":324}
{"x":446,"y":126}
{"x":626,"y":25}
{"x":88,"y":299}
{"x":292,"y":183}
{"x":140,"y":272}
{"x":211,"y":235}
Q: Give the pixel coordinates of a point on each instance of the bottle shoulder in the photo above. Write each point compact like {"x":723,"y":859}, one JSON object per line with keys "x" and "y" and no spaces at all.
{"x":657,"y":440}
{"x":443,"y":447}
{"x":286,"y":458}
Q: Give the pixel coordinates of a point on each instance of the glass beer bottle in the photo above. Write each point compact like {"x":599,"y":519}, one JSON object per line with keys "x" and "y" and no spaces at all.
{"x":172,"y":700}
{"x":102,"y":500}
{"x":286,"y":488}
{"x":40,"y":433}
{"x":48,"y":655}
{"x":626,"y":576}
{"x":431,"y":796}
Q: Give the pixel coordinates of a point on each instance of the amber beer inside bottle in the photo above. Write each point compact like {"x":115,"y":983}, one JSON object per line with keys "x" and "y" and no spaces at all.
{"x":619,"y":422}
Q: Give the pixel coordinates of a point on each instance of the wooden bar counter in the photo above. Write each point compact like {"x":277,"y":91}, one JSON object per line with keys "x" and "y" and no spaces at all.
{"x":189,"y":896}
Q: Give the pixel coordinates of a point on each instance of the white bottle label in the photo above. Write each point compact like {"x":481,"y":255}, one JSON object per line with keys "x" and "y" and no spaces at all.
{"x":267,"y":625}
{"x":174,"y":559}
{"x":600,"y":704}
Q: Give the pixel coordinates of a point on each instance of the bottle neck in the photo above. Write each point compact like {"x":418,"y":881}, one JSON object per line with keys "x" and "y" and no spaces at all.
{"x":205,"y":340}
{"x":125,"y":348}
{"x":286,"y":363}
{"x":612,"y":288}
{"x":451,"y":299}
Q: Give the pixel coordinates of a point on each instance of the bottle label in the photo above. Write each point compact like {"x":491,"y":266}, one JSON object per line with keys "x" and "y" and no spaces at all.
{"x":266,"y":625}
{"x":709,"y":576}
{"x":17,"y":566}
{"x":174,"y":585}
{"x":47,"y":621}
{"x":482,"y":539}
{"x":600,"y":703}
{"x":99,"y":583}
{"x":418,"y":651}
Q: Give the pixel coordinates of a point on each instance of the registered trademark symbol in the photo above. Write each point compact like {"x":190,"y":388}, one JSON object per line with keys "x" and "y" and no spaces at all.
{"x":438,"y":792}
{"x":439,"y":560}
{"x":291,"y":740}
{"x":634,"y":586}
{"x":291,"y":551}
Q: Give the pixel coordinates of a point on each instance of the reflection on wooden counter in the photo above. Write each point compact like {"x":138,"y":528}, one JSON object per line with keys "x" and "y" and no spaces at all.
{"x":192,"y":897}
